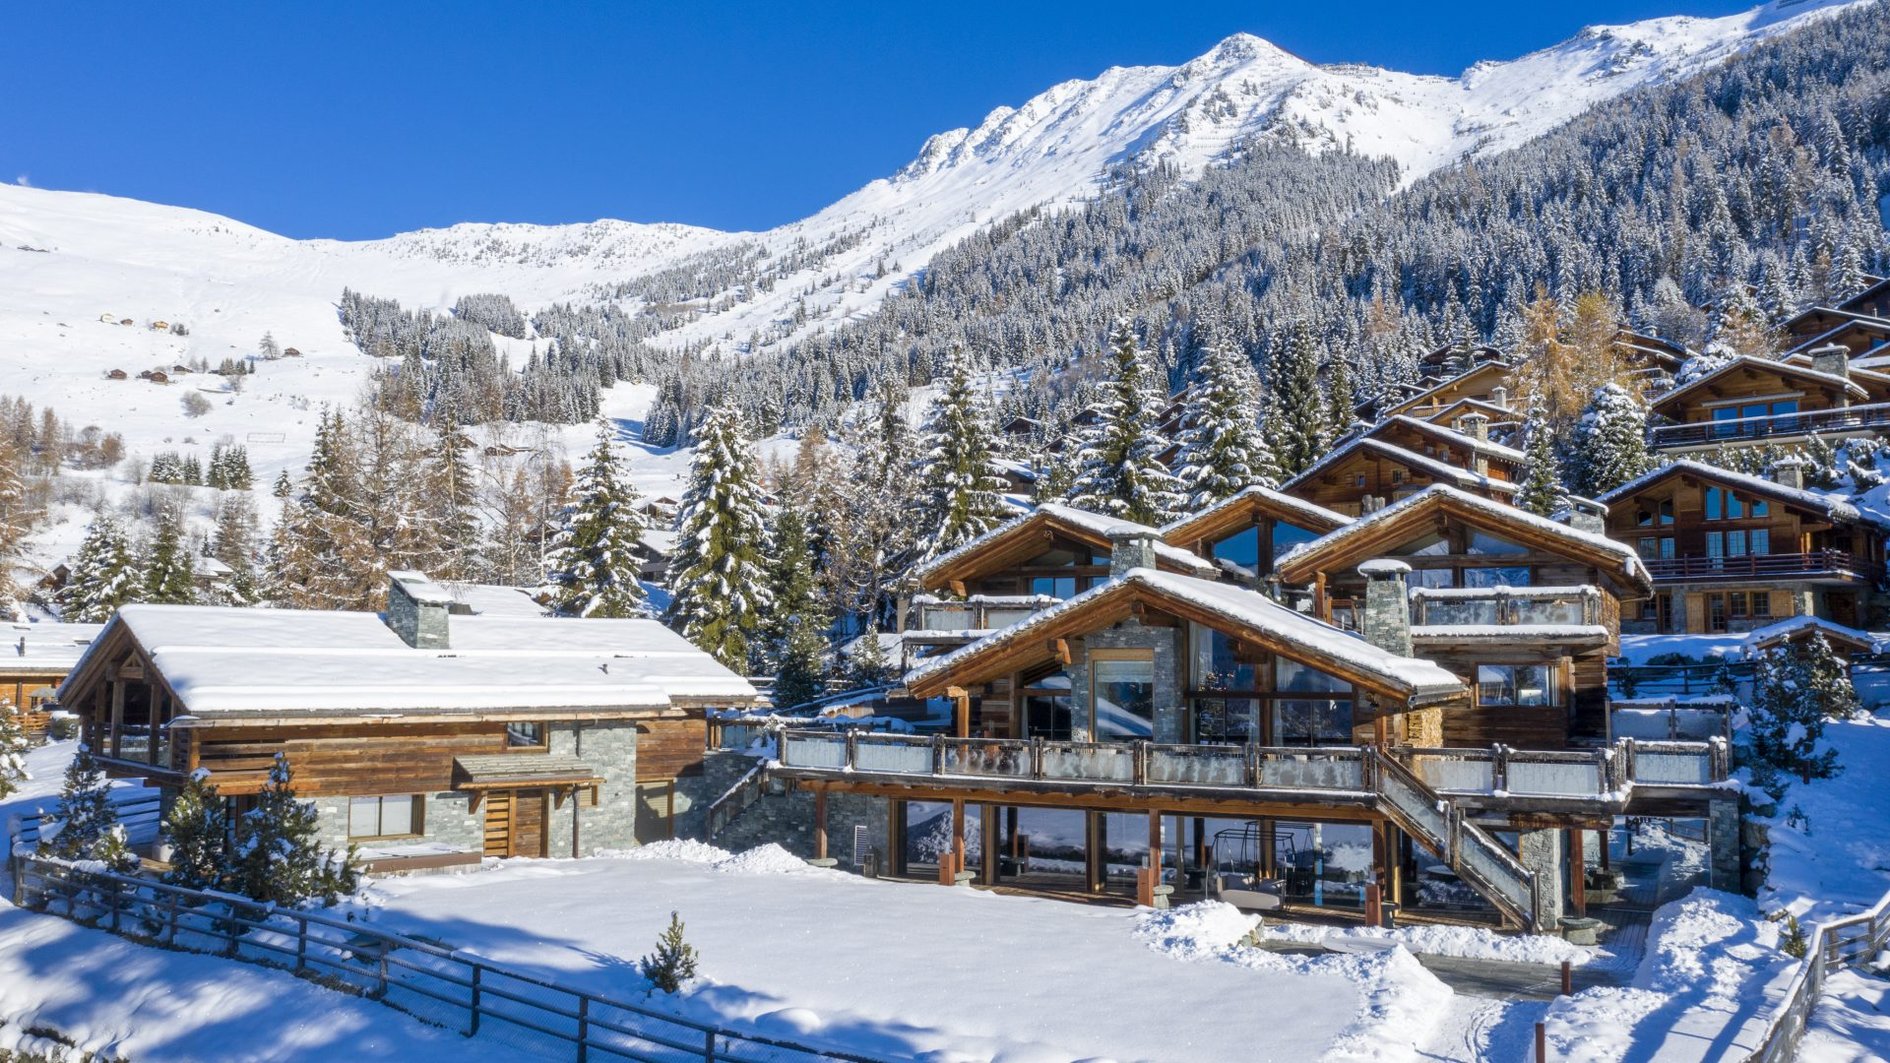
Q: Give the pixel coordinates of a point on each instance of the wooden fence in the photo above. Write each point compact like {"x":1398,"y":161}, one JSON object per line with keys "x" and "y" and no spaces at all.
{"x":430,"y":981}
{"x":1833,"y":945}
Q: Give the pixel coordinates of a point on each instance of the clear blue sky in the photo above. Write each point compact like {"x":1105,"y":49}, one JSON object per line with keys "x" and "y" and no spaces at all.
{"x":358,"y":120}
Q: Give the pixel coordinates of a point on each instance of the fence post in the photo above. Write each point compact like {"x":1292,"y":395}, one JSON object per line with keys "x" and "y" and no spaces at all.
{"x":708,"y":1046}
{"x":384,"y":950}
{"x":473,"y":1025}
{"x":584,"y":1029}
{"x":301,"y":945}
{"x":172,"y":938}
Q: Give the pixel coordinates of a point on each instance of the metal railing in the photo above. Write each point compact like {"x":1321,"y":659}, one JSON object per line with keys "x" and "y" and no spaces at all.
{"x":1744,"y":429}
{"x":429,"y":981}
{"x":1836,"y":943}
{"x":140,"y":811}
{"x":1763,"y":566}
{"x":1669,"y":721}
{"x":746,"y":791}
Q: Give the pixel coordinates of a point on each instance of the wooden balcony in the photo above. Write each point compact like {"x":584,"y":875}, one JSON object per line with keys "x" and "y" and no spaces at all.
{"x":1842,"y":421}
{"x":1818,"y":564}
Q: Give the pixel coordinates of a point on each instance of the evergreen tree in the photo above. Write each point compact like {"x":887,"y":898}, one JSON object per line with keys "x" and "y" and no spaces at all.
{"x":198,"y":832}
{"x":1542,"y":491}
{"x":1300,"y":417}
{"x":87,"y":823}
{"x":673,"y":963}
{"x":233,"y":543}
{"x":960,"y":484}
{"x":1611,"y":441}
{"x":1796,"y":689}
{"x":168,"y":571}
{"x":104,"y":575}
{"x":798,"y":622}
{"x":1222,"y":449}
{"x":720,"y":581}
{"x":13,"y":746}
{"x":279,"y":858}
{"x":594,"y":555}
{"x":1119,"y":469}
{"x":450,"y":498}
{"x":1341,"y":401}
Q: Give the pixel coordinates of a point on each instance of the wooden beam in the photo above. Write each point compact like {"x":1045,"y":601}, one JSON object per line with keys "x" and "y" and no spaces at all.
{"x":820,"y":824}
{"x":1061,"y":648}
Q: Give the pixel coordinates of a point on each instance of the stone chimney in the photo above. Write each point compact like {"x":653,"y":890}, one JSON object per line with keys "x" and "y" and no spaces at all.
{"x":1586,"y":514}
{"x":1387,"y":620}
{"x":1788,"y":471}
{"x":1131,"y":548}
{"x":417,"y":609}
{"x":1475,"y":425}
{"x":1833,"y":359}
{"x":1499,"y":397}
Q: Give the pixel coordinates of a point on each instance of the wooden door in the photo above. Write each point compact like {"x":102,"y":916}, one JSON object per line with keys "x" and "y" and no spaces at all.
{"x":656,"y":811}
{"x":529,"y":821}
{"x":498,"y":823}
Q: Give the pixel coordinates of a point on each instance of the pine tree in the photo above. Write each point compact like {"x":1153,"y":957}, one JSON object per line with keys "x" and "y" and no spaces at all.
{"x":720,"y":584}
{"x":198,"y":832}
{"x":1542,"y":491}
{"x":1119,"y":470}
{"x":1611,"y":441}
{"x":450,"y":498}
{"x":961,"y":486}
{"x":233,"y":543}
{"x":1796,"y":689}
{"x":168,"y":572}
{"x":1222,"y":449}
{"x":798,"y":621}
{"x":13,"y":746}
{"x":104,"y":575}
{"x":279,"y":858}
{"x":594,"y":555}
{"x":87,"y":822}
{"x":673,"y":963}
{"x":1299,"y":421}
{"x":1341,"y":401}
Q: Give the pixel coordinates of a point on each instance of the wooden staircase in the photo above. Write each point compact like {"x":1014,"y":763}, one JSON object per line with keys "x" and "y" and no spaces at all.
{"x":1470,"y":851}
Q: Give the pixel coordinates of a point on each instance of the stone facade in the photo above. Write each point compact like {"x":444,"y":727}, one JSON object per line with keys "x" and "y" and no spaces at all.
{"x":610,"y":748}
{"x":1170,"y":710}
{"x":417,"y":610}
{"x":1541,"y":852}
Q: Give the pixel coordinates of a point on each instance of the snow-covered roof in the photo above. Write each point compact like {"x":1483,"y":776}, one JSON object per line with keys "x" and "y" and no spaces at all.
{"x":1314,"y":517}
{"x":1628,"y":562}
{"x":1412,"y":459}
{"x":1772,"y":634}
{"x":1833,"y":505}
{"x":45,"y":648}
{"x":491,"y":599}
{"x":1096,"y":524}
{"x":287,"y":663}
{"x":1767,"y":365}
{"x":1421,"y":680}
{"x":1573,"y":590}
{"x":1451,"y":436}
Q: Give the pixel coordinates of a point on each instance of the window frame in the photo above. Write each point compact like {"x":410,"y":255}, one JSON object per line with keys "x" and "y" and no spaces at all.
{"x":417,"y":817}
{"x":1552,"y":684}
{"x":1124,"y":655}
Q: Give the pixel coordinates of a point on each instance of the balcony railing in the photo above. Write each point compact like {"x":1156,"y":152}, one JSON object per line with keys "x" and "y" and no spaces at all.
{"x":979,"y":613}
{"x":1746,"y":429}
{"x":1838,"y":563}
{"x":1328,"y":771}
{"x":1489,"y":606}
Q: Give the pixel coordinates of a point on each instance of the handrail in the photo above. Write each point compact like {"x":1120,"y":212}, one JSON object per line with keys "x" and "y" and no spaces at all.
{"x":1770,"y":425}
{"x":737,"y":799}
{"x":1824,"y":949}
{"x":1751,"y":566}
{"x":367,"y":962}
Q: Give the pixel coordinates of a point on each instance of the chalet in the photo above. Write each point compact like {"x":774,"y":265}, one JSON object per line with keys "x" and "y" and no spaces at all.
{"x":1733,"y":552}
{"x":1464,"y":443}
{"x":1648,"y":354}
{"x":1368,"y":473}
{"x":425,"y":737}
{"x":1525,"y":607}
{"x":115,"y":374}
{"x":1490,"y":382}
{"x":35,"y":660}
{"x":1760,"y":399}
{"x":1866,"y":338}
{"x":1245,"y":533}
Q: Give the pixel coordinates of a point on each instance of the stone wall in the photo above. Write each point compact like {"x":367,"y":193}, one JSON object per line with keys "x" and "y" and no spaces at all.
{"x":787,"y":819}
{"x":610,"y":749}
{"x":444,"y":820}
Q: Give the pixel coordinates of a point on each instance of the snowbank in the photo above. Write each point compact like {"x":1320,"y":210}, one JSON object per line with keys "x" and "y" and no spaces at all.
{"x":1467,"y":942}
{"x":1830,"y":842}
{"x":1851,"y":1023}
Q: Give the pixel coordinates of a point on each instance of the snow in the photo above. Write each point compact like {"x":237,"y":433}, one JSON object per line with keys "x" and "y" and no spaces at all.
{"x":1852,"y":1021}
{"x":47,"y":647}
{"x":1311,"y":516}
{"x":1452,"y":437}
{"x":1439,"y":470}
{"x":1834,"y":506}
{"x":1095,"y":524}
{"x":1830,"y":843}
{"x":1469,"y":942}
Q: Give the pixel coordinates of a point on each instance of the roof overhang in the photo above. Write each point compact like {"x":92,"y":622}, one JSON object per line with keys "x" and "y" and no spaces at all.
{"x":522,"y":771}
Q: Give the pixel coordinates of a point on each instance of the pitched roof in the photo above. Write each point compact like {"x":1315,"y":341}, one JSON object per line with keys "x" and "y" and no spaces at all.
{"x":1439,"y":470}
{"x":1322,"y":554}
{"x":1764,"y":365}
{"x":1092,"y":526}
{"x":1875,"y":289}
{"x":1832,"y":505}
{"x":1441,"y":385}
{"x":285,"y":663}
{"x":1446,"y":434}
{"x":1222,"y":605}
{"x":45,"y":648}
{"x":1254,"y":496}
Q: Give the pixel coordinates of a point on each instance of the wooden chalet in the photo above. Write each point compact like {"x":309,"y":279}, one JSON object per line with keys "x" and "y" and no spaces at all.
{"x":1874,"y":299}
{"x":1765,"y":400}
{"x":1244,"y":533}
{"x":1489,"y":382}
{"x":1866,"y":338}
{"x":1733,"y":552}
{"x":1525,"y":608}
{"x":1369,"y":473}
{"x":425,"y":737}
{"x":1647,"y":354}
{"x":35,"y":660}
{"x":1464,"y":443}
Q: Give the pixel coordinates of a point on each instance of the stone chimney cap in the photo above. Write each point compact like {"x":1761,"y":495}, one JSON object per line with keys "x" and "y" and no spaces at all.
{"x":1831,"y":348}
{"x":1383,"y":568}
{"x":1129,"y":535}
{"x":420,"y":587}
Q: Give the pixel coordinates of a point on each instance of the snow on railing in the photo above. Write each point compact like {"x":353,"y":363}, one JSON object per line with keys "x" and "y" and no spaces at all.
{"x":1833,"y":944}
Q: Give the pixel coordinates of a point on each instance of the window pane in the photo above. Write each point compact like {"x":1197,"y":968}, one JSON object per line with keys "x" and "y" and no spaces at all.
{"x":1532,"y":685}
{"x":1484,"y":543}
{"x":1496,"y":685}
{"x":1735,"y":544}
{"x":1216,"y":666}
{"x":1124,"y":698}
{"x":1666,"y":512}
{"x":1713,"y":505}
{"x":1753,"y":409}
{"x":1309,"y":722}
{"x":524,"y":734}
{"x":1433,"y":577}
{"x":1734,"y":507}
{"x":1761,"y":539}
{"x":1296,"y":678}
{"x":364,"y":817}
{"x":1756,"y":507}
{"x":1509,"y":576}
{"x":397,"y":815}
{"x":1242,"y":548}
{"x":1286,"y":536}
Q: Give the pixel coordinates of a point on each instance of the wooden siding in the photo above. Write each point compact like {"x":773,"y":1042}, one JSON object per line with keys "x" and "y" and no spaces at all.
{"x":669,"y":749}
{"x":340,"y":760}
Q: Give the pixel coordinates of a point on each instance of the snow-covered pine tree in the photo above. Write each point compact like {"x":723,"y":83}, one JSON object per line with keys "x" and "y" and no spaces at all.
{"x":960,"y":484}
{"x":1222,"y":449}
{"x":1299,"y":413}
{"x":104,"y":575}
{"x":1341,"y":401}
{"x":594,"y":554}
{"x":233,"y":543}
{"x":1611,"y":441}
{"x":87,"y":826}
{"x":169,"y":576}
{"x":13,"y":746}
{"x":450,"y":497}
{"x":198,"y":832}
{"x":719,"y":580}
{"x":1542,"y":491}
{"x":673,"y":963}
{"x":1796,"y":689}
{"x":798,"y":620}
{"x":279,"y":857}
{"x":1119,"y":469}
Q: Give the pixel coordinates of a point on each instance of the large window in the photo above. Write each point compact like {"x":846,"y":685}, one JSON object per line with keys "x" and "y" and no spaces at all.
{"x":1726,"y":608}
{"x":1524,"y":685}
{"x":1319,"y":714}
{"x":1287,"y":536}
{"x":1241,"y":548}
{"x":393,"y":816}
{"x":525,"y":736}
{"x":1739,"y":543}
{"x":1224,"y":685}
{"x":1724,"y":415}
{"x":1047,"y":706}
{"x":1122,"y":690}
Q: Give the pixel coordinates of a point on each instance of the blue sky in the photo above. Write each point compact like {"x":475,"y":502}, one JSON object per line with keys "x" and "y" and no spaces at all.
{"x":358,"y":120}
